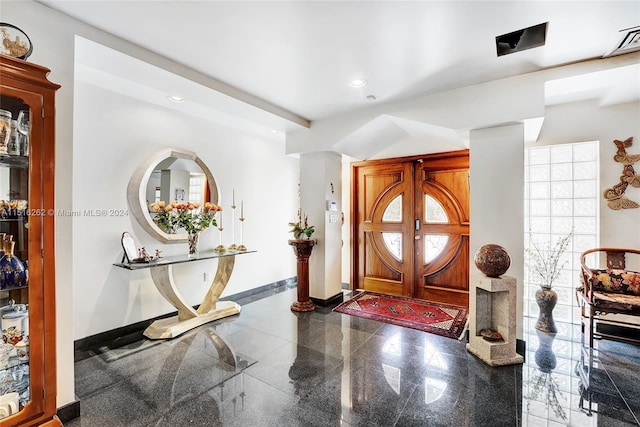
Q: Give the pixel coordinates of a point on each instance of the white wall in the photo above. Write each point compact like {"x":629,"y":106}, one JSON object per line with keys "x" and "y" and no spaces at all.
{"x":588,"y":121}
{"x":347,"y":244}
{"x":107,"y":297}
{"x":497,"y":202}
{"x":320,"y":182}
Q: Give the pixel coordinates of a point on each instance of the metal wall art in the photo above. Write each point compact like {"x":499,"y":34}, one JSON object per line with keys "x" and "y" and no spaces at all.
{"x":615,"y":195}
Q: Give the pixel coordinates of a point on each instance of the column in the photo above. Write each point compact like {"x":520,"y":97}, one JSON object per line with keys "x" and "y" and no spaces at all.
{"x":496,"y":175}
{"x":320,"y":184}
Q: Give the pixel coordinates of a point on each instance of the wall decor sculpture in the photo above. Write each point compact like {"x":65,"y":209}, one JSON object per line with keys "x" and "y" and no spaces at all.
{"x":615,"y":195}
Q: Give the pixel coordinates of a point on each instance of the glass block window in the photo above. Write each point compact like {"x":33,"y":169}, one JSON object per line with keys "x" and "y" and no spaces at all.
{"x":393,"y":212}
{"x":561,"y":194}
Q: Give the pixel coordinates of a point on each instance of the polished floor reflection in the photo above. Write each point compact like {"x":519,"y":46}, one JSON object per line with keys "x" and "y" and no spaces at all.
{"x":271,"y":367}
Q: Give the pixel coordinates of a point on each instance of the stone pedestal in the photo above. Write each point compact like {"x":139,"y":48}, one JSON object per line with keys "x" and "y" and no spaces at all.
{"x":495,"y":309}
{"x":302,"y":249}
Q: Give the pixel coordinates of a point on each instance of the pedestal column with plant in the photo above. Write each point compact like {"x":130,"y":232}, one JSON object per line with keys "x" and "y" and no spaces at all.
{"x":302,"y":246}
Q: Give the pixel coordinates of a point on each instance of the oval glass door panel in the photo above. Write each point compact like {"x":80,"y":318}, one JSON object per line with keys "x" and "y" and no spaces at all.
{"x":393,"y":241}
{"x":434,"y":212}
{"x":393,"y":212}
{"x":434,"y":244}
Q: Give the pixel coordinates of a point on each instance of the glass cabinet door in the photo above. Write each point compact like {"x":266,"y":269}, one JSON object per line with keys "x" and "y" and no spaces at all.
{"x":15,"y":132}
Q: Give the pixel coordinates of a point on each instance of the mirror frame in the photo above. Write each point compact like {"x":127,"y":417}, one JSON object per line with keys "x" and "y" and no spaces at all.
{"x":137,"y":188}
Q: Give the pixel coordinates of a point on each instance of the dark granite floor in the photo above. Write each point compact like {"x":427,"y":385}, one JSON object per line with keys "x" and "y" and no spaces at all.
{"x":329,"y":369}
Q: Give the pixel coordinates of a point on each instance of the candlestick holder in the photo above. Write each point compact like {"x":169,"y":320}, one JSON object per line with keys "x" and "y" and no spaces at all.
{"x":220,"y":248}
{"x":242,"y":247}
{"x":233,"y":246}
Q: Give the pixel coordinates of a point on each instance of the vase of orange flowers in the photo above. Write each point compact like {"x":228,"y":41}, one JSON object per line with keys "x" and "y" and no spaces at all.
{"x":191,"y":217}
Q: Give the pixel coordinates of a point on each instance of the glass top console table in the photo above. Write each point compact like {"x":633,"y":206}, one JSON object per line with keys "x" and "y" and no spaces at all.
{"x":188,"y":318}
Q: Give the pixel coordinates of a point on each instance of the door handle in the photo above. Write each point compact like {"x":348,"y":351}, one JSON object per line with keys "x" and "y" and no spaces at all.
{"x":417,"y":238}
{"x":417,"y":224}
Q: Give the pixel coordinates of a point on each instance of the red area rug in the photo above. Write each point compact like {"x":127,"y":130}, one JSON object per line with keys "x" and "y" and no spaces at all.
{"x":437,"y":318}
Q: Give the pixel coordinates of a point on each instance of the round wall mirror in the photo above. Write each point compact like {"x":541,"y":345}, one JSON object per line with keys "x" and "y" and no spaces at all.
{"x":172,"y":175}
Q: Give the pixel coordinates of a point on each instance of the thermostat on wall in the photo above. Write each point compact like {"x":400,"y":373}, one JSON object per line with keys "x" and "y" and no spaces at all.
{"x":332,"y":205}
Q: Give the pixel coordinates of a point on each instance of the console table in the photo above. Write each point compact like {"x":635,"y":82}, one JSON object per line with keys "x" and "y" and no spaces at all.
{"x":188,"y":318}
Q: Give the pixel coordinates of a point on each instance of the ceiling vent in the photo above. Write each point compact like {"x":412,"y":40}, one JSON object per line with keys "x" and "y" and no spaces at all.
{"x":524,"y":39}
{"x":629,"y":42}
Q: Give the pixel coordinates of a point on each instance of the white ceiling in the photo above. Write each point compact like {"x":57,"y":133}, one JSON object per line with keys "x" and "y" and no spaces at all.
{"x":299,"y":55}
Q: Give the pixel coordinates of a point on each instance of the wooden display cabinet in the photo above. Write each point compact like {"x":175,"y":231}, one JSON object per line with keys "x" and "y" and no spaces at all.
{"x":28,"y":178}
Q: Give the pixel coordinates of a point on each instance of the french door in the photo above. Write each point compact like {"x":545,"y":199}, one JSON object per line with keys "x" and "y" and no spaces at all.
{"x":411,"y":226}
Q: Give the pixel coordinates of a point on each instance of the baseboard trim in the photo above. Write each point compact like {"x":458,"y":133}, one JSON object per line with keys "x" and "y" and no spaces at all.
{"x":69,"y":411}
{"x":284,"y":283}
{"x":336,"y":299}
{"x":130,"y":333}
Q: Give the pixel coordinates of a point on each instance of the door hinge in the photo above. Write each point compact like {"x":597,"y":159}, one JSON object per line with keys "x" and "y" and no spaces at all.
{"x":43,"y":112}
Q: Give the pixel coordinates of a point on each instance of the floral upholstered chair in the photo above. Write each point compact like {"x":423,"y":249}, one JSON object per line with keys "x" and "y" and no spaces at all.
{"x":606,"y":291}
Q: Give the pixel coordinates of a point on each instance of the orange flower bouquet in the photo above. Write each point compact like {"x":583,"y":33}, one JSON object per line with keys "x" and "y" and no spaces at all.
{"x":191,"y":217}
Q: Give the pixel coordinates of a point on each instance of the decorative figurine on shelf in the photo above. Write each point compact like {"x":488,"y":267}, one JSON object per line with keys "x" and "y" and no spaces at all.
{"x":129,"y":247}
{"x":12,"y":271}
{"x":144,"y":255}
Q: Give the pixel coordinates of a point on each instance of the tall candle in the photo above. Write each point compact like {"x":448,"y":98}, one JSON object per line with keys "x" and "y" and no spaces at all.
{"x":242,"y":209}
{"x":220,"y":219}
{"x":233,"y":201}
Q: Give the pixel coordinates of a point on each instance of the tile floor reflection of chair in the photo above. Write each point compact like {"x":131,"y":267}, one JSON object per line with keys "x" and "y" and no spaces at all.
{"x":329,"y":369}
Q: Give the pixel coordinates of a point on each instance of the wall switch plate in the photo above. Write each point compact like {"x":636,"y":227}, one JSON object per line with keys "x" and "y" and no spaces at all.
{"x":333,"y":218}
{"x":206,"y":276}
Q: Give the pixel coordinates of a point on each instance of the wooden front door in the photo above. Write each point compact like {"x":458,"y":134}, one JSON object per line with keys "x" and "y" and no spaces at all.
{"x":411,"y":227}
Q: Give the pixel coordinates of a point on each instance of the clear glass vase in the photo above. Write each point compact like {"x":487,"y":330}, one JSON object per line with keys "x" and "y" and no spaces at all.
{"x":192,"y":240}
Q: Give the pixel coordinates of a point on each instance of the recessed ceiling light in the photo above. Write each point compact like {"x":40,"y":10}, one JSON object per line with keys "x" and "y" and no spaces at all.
{"x":175,"y":98}
{"x":358,"y":83}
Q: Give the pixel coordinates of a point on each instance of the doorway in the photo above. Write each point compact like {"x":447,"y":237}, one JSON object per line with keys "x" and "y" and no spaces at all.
{"x":411,"y":226}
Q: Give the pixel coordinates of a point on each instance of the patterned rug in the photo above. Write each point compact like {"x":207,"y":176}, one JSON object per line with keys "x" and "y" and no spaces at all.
{"x":437,"y":318}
